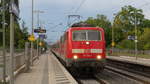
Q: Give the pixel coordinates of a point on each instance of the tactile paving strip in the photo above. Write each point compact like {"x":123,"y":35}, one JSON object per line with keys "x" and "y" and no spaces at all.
{"x":60,"y":74}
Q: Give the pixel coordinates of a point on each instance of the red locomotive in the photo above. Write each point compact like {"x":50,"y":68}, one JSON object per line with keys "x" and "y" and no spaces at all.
{"x":81,"y":47}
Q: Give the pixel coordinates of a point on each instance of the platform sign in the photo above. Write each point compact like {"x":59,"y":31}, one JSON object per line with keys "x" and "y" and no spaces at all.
{"x":39,"y":30}
{"x":31,"y":38}
{"x":132,"y":37}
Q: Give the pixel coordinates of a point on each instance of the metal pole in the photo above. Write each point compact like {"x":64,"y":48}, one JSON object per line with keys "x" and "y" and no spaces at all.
{"x":38,"y":48}
{"x":136,"y":35}
{"x":11,"y":45}
{"x":38,"y":16}
{"x":32,"y":33}
{"x":38,"y":25}
{"x":38,"y":35}
{"x":27,"y":58}
{"x":112,"y":40}
{"x":4,"y":45}
{"x":113,"y":37}
{"x":38,"y":19}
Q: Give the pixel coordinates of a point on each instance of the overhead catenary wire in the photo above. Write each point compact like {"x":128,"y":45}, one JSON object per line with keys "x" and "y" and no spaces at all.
{"x":82,"y":2}
{"x":73,"y":15}
{"x":77,"y":9}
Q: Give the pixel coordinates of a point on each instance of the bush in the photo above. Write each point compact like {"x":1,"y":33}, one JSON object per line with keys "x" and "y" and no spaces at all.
{"x":126,"y":44}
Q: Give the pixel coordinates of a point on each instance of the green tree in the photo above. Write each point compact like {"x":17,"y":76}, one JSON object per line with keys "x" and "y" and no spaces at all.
{"x":144,"y":40}
{"x":127,"y":44}
{"x":23,"y":35}
{"x":146,"y":23}
{"x":128,"y":17}
{"x":20,"y":34}
{"x":124,"y":23}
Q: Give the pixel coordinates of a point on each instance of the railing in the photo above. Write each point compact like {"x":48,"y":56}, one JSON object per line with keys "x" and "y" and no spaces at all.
{"x":126,"y":52}
{"x":20,"y":59}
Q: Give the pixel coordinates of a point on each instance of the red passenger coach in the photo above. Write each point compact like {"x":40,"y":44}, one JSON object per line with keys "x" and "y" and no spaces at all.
{"x":83,"y":47}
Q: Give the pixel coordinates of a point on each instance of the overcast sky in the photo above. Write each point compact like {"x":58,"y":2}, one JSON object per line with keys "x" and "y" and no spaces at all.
{"x":56,"y":11}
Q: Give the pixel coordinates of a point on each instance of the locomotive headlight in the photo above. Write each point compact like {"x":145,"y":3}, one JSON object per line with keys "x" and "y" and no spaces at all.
{"x":99,"y":57}
{"x":75,"y":57}
{"x":87,"y":43}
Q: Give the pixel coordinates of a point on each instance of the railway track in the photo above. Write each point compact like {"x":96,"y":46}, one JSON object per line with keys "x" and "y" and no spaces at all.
{"x":111,"y":75}
{"x":133,"y":71}
{"x":134,"y":76}
{"x":88,"y":81}
{"x":133,"y":67}
{"x":91,"y":80}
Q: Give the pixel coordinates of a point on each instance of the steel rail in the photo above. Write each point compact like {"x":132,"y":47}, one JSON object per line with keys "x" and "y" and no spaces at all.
{"x":131,"y":75}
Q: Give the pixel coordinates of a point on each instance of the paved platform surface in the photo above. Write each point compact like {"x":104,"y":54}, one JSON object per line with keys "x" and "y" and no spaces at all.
{"x":46,"y":70}
{"x":129,"y":59}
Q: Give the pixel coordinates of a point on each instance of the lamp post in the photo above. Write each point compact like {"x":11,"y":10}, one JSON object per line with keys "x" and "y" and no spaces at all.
{"x":11,"y":43}
{"x":4,"y":54}
{"x":135,"y":25}
{"x":113,"y":43}
{"x":112,"y":40}
{"x":32,"y":32}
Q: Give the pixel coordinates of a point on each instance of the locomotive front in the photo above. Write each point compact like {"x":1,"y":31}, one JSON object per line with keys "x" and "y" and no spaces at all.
{"x":87,"y":46}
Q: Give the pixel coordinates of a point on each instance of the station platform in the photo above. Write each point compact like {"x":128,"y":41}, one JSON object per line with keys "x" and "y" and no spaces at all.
{"x":46,"y":70}
{"x":133,"y":60}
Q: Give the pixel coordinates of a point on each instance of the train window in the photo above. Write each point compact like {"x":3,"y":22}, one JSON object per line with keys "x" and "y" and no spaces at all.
{"x":79,"y":35}
{"x":94,"y":35}
{"x":86,"y":35}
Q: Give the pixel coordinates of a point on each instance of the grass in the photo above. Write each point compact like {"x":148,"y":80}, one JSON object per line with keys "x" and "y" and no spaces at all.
{"x":132,"y":55}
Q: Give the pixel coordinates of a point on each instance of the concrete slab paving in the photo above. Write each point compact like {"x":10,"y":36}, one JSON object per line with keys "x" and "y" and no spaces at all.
{"x":58,"y":74}
{"x":46,"y":70}
{"x":36,"y":74}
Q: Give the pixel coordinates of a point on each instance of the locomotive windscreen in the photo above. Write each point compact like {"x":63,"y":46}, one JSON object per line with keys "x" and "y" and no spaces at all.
{"x":86,"y":35}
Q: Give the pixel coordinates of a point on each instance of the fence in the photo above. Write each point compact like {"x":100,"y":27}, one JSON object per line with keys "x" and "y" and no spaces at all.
{"x":21,"y":57}
{"x":126,"y":51}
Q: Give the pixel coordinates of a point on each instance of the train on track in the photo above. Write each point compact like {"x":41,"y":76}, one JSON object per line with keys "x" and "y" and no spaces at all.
{"x":82,"y":46}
